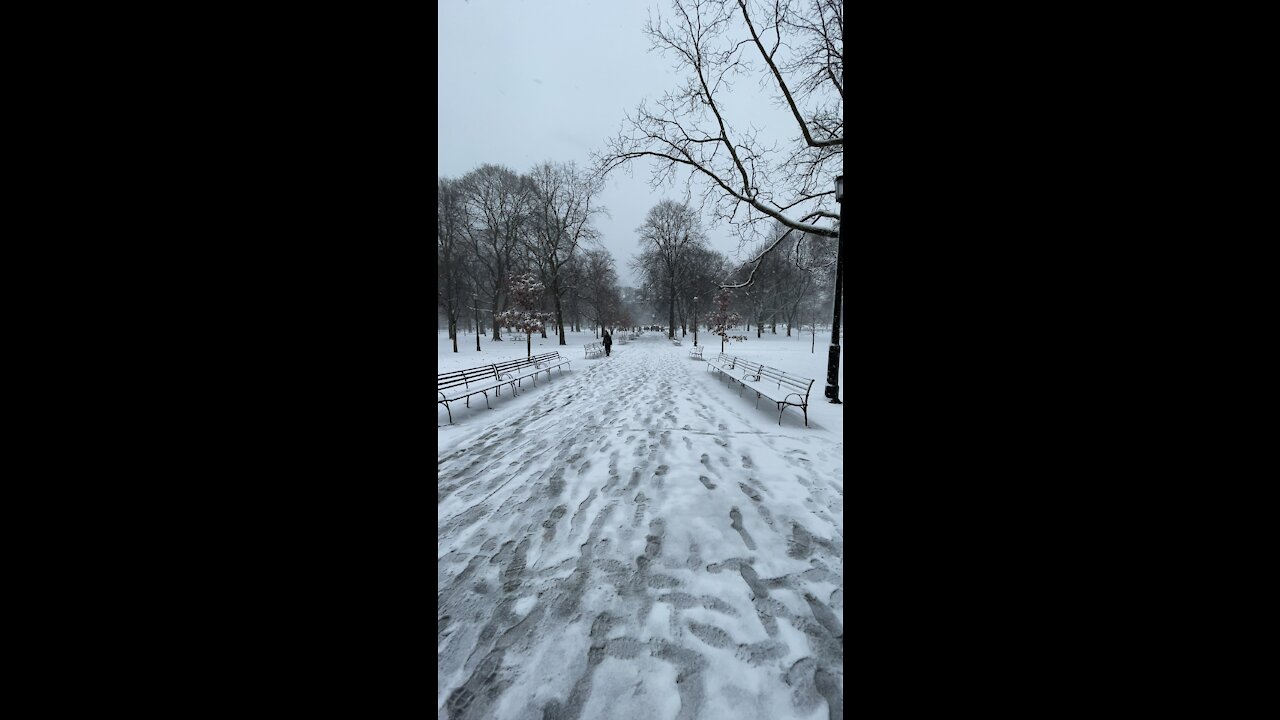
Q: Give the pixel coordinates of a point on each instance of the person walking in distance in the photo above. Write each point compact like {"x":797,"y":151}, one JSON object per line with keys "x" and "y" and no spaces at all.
{"x":608,"y":342}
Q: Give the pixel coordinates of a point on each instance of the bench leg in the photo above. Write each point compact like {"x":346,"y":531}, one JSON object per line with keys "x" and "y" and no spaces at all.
{"x":486,"y":401}
{"x":781,"y":409}
{"x":446,"y":409}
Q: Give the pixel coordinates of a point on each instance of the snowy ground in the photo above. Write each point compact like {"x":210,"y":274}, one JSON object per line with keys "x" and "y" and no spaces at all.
{"x":634,"y":539}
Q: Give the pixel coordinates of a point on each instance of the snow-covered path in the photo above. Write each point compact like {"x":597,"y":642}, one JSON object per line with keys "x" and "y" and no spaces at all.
{"x":635,"y":540}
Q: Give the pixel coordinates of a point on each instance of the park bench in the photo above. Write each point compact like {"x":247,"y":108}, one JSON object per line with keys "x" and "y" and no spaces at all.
{"x":593,"y":349}
{"x":462,"y":384}
{"x":675,"y":341}
{"x":622,"y":338}
{"x":695,"y":352}
{"x":776,"y":386}
{"x":515,"y":371}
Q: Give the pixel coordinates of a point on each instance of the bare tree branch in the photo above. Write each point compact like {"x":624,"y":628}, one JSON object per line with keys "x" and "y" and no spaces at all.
{"x":686,"y":134}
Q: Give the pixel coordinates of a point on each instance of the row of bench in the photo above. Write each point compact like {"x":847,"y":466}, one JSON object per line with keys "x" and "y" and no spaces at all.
{"x":772,"y":384}
{"x":462,"y":384}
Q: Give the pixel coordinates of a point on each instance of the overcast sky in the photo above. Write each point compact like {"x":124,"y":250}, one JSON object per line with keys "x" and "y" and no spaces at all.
{"x":527,"y":81}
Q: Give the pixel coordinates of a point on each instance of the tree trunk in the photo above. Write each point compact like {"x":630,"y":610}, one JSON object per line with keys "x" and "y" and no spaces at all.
{"x":528,"y":344}
{"x":560,"y":321}
{"x":497,"y":331}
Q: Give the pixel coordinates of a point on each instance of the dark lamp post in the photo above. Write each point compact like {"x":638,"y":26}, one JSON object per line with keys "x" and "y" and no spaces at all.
{"x":833,"y":358}
{"x":695,"y":321}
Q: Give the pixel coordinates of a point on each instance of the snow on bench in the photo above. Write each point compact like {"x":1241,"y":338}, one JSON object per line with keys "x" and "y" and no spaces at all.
{"x":462,"y":384}
{"x":518,"y":370}
{"x":791,"y":390}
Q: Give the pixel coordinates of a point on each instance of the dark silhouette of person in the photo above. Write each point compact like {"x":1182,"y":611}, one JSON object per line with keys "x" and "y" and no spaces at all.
{"x":608,"y":342}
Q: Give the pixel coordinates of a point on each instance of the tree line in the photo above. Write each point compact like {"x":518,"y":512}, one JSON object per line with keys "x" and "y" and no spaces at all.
{"x":682,"y":276}
{"x":495,"y":226}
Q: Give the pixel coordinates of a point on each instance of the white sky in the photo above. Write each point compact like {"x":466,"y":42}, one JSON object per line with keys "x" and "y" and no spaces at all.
{"x":527,"y":81}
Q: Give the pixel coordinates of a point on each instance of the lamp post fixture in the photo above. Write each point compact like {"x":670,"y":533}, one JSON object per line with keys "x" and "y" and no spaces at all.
{"x":475,"y":303}
{"x":833,"y":358}
{"x":695,"y":321}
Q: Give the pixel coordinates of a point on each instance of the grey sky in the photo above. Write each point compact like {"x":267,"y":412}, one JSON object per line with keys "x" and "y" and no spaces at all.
{"x":526,"y":81}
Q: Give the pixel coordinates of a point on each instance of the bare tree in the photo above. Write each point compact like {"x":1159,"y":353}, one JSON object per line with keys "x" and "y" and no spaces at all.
{"x":698,"y":275}
{"x":451,"y":229}
{"x":526,"y":294}
{"x":499,"y":202}
{"x":669,"y":231}
{"x":572,"y":279}
{"x":795,"y":49}
{"x":561,"y":210}
{"x":599,"y":287}
{"x":811,"y":266}
{"x":724,"y":319}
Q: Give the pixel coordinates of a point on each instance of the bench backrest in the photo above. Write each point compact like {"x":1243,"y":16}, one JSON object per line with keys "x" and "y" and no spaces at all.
{"x":748,"y":366}
{"x":729,"y":361}
{"x":794,"y":382}
{"x":521,"y":363}
{"x":465,"y":378}
{"x":783,"y":379}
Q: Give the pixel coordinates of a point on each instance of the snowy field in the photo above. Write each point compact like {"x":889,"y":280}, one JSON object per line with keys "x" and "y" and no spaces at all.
{"x":634,"y":539}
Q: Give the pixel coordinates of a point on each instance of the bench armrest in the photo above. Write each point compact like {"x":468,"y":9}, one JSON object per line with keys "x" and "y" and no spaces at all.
{"x":804,"y":399}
